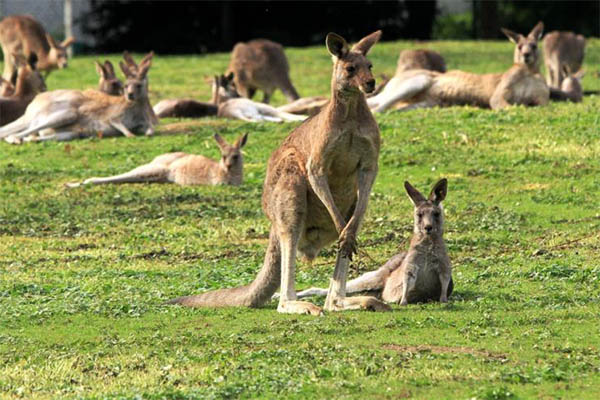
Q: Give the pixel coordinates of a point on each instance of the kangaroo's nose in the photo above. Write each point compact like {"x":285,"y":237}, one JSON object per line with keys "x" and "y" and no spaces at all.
{"x":428,"y":228}
{"x":371,"y":84}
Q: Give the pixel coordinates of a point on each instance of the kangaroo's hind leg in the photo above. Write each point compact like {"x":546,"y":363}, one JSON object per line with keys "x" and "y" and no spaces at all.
{"x":150,"y":173}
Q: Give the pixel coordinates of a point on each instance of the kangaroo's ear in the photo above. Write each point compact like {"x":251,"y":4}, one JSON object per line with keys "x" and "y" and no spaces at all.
{"x":537,"y":31}
{"x":67,"y":42}
{"x":147,"y":60}
{"x":100,"y":69}
{"x":241,"y":142}
{"x":220,"y":141}
{"x":110,"y":70}
{"x":128,"y":59}
{"x":415,"y":196}
{"x":579,"y":75}
{"x":512,"y":36}
{"x":337,"y":45}
{"x":365,"y":44}
{"x":438,"y":193}
{"x":32,"y":60}
{"x":230,"y":76}
{"x":126,"y":71}
{"x":51,"y":41}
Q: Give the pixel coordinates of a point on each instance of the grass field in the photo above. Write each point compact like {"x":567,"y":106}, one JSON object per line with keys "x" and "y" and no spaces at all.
{"x":83,"y":272}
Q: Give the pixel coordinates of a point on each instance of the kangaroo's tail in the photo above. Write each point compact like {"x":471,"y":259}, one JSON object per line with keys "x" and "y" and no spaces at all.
{"x":253,"y":295}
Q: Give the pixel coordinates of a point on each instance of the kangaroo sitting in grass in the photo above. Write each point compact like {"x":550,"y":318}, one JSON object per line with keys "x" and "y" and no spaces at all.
{"x":316,"y":190}
{"x":421,"y":274}
{"x":521,"y":84}
{"x":261,"y":64}
{"x":108,"y":83}
{"x":71,"y":114}
{"x":185,"y":169}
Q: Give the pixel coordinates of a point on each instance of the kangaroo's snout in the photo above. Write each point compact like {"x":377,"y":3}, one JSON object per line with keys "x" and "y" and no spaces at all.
{"x":370,"y":86}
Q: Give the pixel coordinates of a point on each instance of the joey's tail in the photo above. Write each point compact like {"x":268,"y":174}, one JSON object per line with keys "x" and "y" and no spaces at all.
{"x":253,"y":295}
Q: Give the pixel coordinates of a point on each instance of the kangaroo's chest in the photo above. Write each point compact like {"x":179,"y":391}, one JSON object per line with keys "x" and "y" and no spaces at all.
{"x":353,"y":146}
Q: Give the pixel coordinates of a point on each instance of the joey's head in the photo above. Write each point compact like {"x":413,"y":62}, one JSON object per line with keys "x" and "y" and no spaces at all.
{"x":351,"y":68}
{"x":136,"y":78}
{"x":58,"y":51}
{"x":526,"y":50}
{"x":223,"y":88}
{"x":571,"y":85}
{"x":109,"y":83}
{"x":27,"y":79}
{"x":232,"y":160}
{"x":428,"y":213}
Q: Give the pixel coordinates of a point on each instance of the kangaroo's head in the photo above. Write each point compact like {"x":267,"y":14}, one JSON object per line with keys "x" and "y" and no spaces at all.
{"x":58,"y":51}
{"x":232,"y":160}
{"x":571,"y":85}
{"x":28,"y":79}
{"x":351,"y":68}
{"x":526,"y":51}
{"x":136,"y":79}
{"x":109,"y":83}
{"x":6,"y":88}
{"x":223,"y":88}
{"x":429,"y":213}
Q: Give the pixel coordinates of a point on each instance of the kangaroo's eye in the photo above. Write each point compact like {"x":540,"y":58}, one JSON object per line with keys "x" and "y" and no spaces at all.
{"x":420,"y":215}
{"x":350,"y":69}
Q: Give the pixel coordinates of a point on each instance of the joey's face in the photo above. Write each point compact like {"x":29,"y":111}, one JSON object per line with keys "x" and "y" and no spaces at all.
{"x":231,"y":158}
{"x":113,"y":86}
{"x":353,"y":72}
{"x":429,"y":219}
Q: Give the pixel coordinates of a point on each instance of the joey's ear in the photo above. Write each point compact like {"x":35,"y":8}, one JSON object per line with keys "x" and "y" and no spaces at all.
{"x":144,"y":70}
{"x":51,"y":41}
{"x":579,"y":74}
{"x":220,"y":141}
{"x":67,"y":42}
{"x":230,"y":76}
{"x":415,"y":196}
{"x":110,"y":70}
{"x":147,"y":58}
{"x":126,"y":71}
{"x":537,"y":31}
{"x":512,"y":36}
{"x":100,"y":69}
{"x":241,"y":142}
{"x":128,"y":59}
{"x":365,"y":44}
{"x":337,"y":45}
{"x":438,"y":193}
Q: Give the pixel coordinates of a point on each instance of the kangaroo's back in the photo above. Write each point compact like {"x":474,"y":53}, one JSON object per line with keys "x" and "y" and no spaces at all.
{"x":420,"y":59}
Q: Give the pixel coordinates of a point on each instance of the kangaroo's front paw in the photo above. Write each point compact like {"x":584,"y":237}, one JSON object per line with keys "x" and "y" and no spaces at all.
{"x":347,"y":244}
{"x":299,"y":307}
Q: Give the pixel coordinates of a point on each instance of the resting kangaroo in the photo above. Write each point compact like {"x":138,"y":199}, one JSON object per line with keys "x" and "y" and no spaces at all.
{"x":185,"y":169}
{"x":70,"y":114}
{"x":521,"y":84}
{"x":562,"y":50}
{"x":421,"y":274}
{"x":316,"y":190}
{"x":29,"y":83}
{"x":261,"y":64}
{"x":420,"y":59}
{"x":108,"y":83}
{"x":22,"y":34}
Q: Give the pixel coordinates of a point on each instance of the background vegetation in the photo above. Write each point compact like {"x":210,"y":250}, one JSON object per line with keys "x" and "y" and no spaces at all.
{"x":83,"y":272}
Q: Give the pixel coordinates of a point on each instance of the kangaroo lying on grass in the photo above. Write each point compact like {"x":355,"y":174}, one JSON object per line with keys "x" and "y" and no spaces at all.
{"x":71,"y":114}
{"x":521,"y":84}
{"x":316,"y":190}
{"x":29,"y":83}
{"x":108,"y":83}
{"x":563,"y":51}
{"x":227,"y":103}
{"x":22,"y":34}
{"x":185,"y":169}
{"x":261,"y":65}
{"x":421,"y":274}
{"x":420,"y":59}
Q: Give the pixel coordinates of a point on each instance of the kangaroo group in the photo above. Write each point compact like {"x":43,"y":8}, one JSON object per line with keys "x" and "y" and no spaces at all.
{"x":319,"y":179}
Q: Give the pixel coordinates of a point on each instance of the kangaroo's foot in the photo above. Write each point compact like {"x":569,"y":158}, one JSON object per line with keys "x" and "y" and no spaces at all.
{"x":13,"y":139}
{"x":358,"y":303}
{"x":298,"y":307}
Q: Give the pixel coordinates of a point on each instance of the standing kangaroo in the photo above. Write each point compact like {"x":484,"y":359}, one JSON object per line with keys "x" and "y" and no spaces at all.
{"x":562,"y":49}
{"x":520,"y":84}
{"x":185,"y":169}
{"x":29,"y":83}
{"x":316,"y":190}
{"x":421,"y":274}
{"x":108,"y":83}
{"x":22,"y":34}
{"x":261,"y":64}
{"x":70,"y":114}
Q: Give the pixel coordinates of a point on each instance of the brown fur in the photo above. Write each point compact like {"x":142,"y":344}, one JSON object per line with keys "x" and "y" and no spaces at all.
{"x":420,"y":59}
{"x":108,"y":83}
{"x":6,"y":88}
{"x":261,"y":64}
{"x":562,"y":50}
{"x":520,"y":84}
{"x":22,"y":34}
{"x":29,"y":83}
{"x":316,"y":191}
{"x":305,"y":105}
{"x":185,"y":169}
{"x":69,"y":114}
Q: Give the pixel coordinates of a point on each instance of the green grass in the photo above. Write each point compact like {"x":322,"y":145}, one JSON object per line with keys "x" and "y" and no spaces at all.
{"x":83,"y":272}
